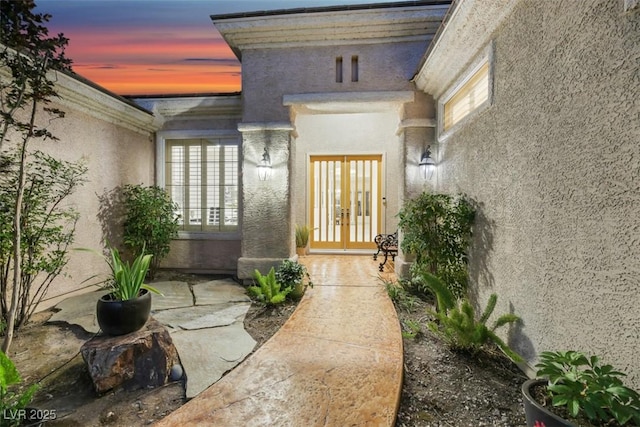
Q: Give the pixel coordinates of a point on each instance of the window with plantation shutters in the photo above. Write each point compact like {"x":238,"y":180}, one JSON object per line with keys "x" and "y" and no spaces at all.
{"x":201,"y":175}
{"x":469,"y":97}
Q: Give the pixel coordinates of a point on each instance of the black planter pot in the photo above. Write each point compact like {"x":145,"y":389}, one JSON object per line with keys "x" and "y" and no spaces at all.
{"x":123,"y":317}
{"x":536,"y":414}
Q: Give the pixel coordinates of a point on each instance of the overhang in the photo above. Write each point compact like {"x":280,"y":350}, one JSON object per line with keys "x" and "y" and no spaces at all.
{"x":466,"y":30}
{"x":330,"y":26}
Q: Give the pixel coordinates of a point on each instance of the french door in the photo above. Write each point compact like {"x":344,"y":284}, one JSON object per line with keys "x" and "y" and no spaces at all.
{"x":346,"y":201}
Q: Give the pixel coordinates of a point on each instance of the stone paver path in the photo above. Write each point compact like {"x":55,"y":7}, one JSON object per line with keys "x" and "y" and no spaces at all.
{"x":206,"y":323}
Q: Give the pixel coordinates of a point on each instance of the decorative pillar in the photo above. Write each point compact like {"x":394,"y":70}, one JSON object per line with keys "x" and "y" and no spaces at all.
{"x":266,"y":205}
{"x":418,"y":134}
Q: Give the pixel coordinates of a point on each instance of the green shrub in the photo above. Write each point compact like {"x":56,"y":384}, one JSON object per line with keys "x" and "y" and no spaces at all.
{"x":150,"y":221}
{"x":436,"y":228}
{"x":47,"y":228}
{"x":11,"y":402}
{"x":457,"y":323}
{"x":268,"y":290}
{"x":292,"y":274}
{"x":584,"y":386}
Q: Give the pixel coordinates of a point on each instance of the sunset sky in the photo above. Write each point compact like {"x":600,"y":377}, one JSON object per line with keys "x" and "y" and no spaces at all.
{"x":150,"y":47}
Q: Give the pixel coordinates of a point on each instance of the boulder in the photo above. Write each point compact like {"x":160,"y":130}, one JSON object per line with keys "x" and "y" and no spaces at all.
{"x":141,"y":359}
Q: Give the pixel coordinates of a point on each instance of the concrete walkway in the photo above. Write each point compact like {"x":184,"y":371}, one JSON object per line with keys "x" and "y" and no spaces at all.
{"x":336,"y":362}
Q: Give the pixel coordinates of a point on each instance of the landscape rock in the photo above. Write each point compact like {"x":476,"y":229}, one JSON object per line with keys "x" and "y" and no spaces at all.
{"x":141,"y":359}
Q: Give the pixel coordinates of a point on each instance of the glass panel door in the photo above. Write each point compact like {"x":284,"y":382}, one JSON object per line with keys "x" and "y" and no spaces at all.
{"x":345,"y":201}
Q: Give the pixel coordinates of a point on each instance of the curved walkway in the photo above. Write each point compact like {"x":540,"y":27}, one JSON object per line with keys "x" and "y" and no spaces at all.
{"x":337,"y":361}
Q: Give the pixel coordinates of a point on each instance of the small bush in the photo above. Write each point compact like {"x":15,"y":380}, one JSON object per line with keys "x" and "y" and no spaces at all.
{"x":457,"y":323}
{"x":583,"y":386}
{"x":268,"y":290}
{"x":150,"y":222}
{"x":436,"y":228}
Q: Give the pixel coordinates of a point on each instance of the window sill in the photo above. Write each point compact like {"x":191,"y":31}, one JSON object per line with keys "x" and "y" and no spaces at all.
{"x":208,"y":235}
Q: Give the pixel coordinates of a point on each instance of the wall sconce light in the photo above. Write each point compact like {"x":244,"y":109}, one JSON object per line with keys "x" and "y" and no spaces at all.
{"x":427,"y":164}
{"x":264,"y":168}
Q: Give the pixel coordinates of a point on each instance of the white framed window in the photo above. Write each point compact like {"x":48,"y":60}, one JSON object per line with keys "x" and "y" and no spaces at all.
{"x":469,"y":95}
{"x":202,"y":176}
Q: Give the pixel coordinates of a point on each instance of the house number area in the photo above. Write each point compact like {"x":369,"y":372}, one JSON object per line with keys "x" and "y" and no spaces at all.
{"x":29,"y":414}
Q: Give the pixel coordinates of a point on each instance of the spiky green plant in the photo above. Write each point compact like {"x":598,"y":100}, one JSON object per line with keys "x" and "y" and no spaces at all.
{"x":268,"y":290}
{"x":128,"y":279}
{"x":457,"y":323}
{"x":302,"y":235}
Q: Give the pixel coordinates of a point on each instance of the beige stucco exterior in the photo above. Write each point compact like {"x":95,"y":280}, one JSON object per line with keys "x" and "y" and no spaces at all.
{"x":552,"y":161}
{"x":554,"y":164}
{"x":294,"y":104}
{"x":114,"y":138}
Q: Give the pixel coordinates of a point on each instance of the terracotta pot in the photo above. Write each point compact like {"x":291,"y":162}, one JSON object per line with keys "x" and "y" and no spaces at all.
{"x":123,"y":317}
{"x":536,"y":414}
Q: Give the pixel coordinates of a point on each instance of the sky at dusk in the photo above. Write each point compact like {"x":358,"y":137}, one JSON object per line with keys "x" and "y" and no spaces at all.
{"x":151,"y":47}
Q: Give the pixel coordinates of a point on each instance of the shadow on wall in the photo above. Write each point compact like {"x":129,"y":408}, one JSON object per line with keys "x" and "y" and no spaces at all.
{"x":111,"y":216}
{"x":482,"y":247}
{"x":481,"y":277}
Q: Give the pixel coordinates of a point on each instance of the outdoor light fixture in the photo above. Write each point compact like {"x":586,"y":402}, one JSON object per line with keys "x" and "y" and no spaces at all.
{"x":427,"y":164}
{"x":264,"y":168}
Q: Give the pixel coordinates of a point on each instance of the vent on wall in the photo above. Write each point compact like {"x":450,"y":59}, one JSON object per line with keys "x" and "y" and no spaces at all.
{"x":339,"y":69}
{"x":354,"y":68}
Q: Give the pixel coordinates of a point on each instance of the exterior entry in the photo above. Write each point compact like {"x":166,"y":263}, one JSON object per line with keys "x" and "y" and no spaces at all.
{"x":346,"y":198}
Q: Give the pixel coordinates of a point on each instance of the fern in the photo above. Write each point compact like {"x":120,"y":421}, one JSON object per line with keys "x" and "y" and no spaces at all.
{"x":268,"y":290}
{"x":457,"y":324}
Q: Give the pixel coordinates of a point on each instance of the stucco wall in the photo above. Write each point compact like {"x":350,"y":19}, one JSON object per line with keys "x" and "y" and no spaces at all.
{"x":269,"y":74}
{"x":554,"y":164}
{"x":114,"y":155}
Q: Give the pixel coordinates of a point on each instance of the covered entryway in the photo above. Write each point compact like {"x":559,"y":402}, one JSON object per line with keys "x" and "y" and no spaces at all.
{"x":346,"y":199}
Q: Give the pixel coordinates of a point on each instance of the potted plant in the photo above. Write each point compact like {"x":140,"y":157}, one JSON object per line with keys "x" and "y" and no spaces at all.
{"x":13,"y":406}
{"x":577,"y":387}
{"x":292,"y":274}
{"x":302,"y":239}
{"x":126,"y":308}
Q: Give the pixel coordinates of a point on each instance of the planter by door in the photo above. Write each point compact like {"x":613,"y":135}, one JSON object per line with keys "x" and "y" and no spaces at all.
{"x":122,"y":317}
{"x":536,"y":414}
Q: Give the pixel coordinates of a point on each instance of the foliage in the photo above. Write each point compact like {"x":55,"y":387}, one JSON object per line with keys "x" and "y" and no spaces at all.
{"x":47,"y":227}
{"x":150,"y":221}
{"x":457,"y":323}
{"x":29,"y":54}
{"x":268,"y":290}
{"x":399,"y":294}
{"x":436,"y":228}
{"x":415,"y":330}
{"x":302,"y":235}
{"x":11,"y":402}
{"x":583,"y":385}
{"x":31,"y":58}
{"x":290,"y":273}
{"x":128,"y":279}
